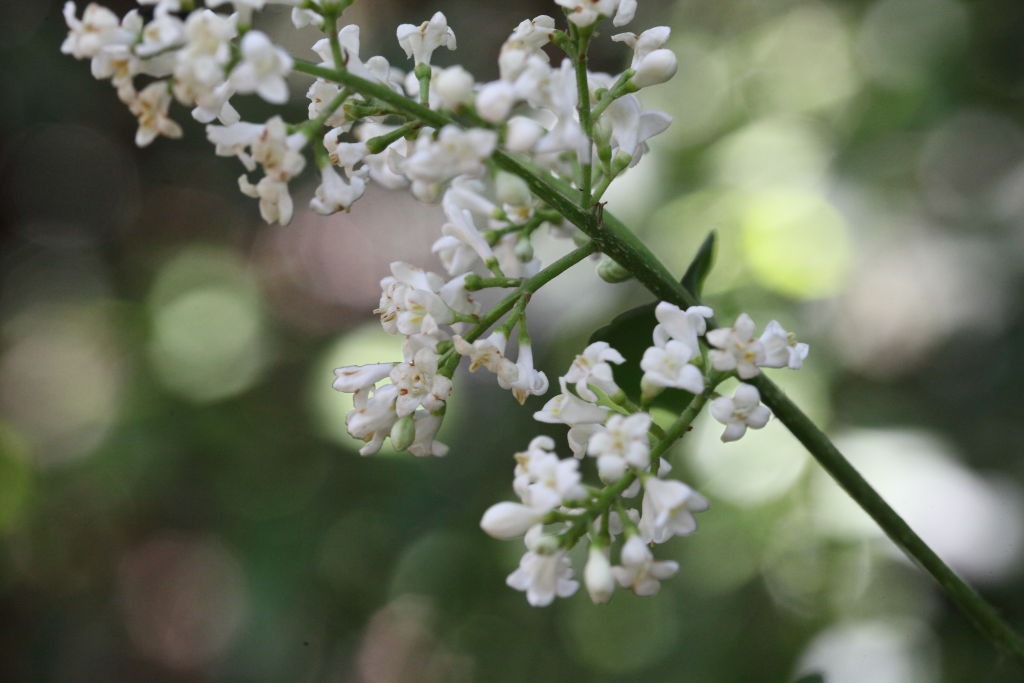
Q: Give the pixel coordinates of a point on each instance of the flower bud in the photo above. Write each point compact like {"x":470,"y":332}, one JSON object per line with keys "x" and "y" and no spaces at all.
{"x":657,"y":67}
{"x":495,"y":100}
{"x":610,"y":271}
{"x":403,"y":433}
{"x":597,"y":576}
{"x":522,"y":134}
{"x":507,"y":520}
{"x":524,"y":249}
{"x":454,"y":86}
{"x":511,"y":189}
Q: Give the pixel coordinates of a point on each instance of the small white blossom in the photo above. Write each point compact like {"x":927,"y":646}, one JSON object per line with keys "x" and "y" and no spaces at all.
{"x":353,"y":378}
{"x":525,"y":42}
{"x":544,"y":572}
{"x":454,"y":152}
{"x":373,"y":417}
{"x":670,"y":366}
{"x":781,"y":348}
{"x":529,"y":381}
{"x":639,"y":570}
{"x":623,"y":441}
{"x":591,"y":368}
{"x":97,"y":29}
{"x":569,"y":409}
{"x":334,"y":194}
{"x":737,"y":349}
{"x":419,"y":384}
{"x":262,"y":69}
{"x":743,"y":410}
{"x":586,"y":12}
{"x":667,"y":509}
{"x":150,"y":107}
{"x":419,"y":42}
{"x":489,"y":353}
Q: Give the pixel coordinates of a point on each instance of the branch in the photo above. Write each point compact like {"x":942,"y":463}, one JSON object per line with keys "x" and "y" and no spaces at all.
{"x":613,"y":238}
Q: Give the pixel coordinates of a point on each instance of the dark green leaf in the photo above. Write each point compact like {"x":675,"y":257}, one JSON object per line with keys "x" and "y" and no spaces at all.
{"x":700,"y":266}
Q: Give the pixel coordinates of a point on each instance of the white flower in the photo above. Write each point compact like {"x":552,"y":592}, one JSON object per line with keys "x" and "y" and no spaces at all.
{"x":454,"y":152}
{"x":586,"y":12}
{"x":419,"y":384}
{"x":743,"y":410}
{"x":737,"y":348}
{"x":150,"y":108}
{"x":488,"y":352}
{"x":262,"y":69}
{"x":597,"y":575}
{"x":507,"y":520}
{"x":529,"y":381}
{"x":352,"y":378}
{"x":625,"y":438}
{"x":639,"y":571}
{"x":373,"y":417}
{"x":460,"y":226}
{"x":631,"y":127}
{"x":409,"y":306}
{"x":98,"y":28}
{"x":571,"y":410}
{"x":684,"y":326}
{"x":781,"y":348}
{"x":669,"y":366}
{"x":320,"y":94}
{"x":275,"y":201}
{"x":526,"y":41}
{"x":163,"y":32}
{"x":334,"y":194}
{"x":419,"y":42}
{"x":668,"y":508}
{"x":591,"y":368}
{"x":544,"y":571}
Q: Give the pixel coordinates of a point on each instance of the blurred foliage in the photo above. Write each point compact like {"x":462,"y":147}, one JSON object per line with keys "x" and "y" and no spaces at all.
{"x":178,"y":500}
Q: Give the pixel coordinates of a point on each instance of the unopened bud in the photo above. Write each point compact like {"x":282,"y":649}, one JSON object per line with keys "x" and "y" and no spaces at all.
{"x":610,"y":271}
{"x":597,"y":575}
{"x":454,"y":86}
{"x":508,"y":520}
{"x":524,"y":249}
{"x":403,"y":433}
{"x":657,"y":67}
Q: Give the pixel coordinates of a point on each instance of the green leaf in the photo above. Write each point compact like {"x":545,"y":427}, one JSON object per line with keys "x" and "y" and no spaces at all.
{"x":700,"y":266}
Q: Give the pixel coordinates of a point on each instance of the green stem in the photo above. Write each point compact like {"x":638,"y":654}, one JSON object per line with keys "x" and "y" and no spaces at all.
{"x":828,"y":456}
{"x":582,"y":36}
{"x":610,"y":236}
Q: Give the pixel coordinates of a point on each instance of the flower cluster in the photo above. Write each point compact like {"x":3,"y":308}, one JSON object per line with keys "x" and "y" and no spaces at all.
{"x":556,"y":510}
{"x":443,"y":136}
{"x":202,"y":58}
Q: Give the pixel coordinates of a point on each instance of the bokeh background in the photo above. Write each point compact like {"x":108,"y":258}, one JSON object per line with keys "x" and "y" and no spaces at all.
{"x":179,"y":500}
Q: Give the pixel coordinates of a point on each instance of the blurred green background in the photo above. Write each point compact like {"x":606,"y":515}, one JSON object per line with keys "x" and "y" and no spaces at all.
{"x":179,"y":501}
